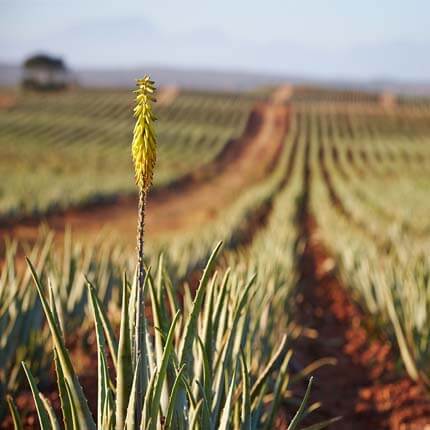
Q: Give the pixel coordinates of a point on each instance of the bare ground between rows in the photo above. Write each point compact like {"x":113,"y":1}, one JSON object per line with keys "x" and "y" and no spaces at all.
{"x":365,"y":386}
{"x":187,"y":204}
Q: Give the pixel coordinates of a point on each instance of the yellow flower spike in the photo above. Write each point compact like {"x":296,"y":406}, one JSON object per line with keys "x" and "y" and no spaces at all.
{"x":144,"y":153}
{"x":144,"y":146}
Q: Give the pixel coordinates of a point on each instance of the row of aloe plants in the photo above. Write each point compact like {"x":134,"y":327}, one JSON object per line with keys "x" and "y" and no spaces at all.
{"x":23,"y":328}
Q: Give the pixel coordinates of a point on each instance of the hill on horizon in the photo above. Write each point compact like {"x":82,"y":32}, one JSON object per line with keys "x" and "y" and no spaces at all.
{"x":207,"y":79}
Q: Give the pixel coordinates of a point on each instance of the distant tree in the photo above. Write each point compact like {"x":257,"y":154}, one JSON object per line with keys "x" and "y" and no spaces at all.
{"x":43,"y":72}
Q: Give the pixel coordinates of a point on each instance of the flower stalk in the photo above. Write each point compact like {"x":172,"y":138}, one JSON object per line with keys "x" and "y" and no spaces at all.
{"x":144,"y":157}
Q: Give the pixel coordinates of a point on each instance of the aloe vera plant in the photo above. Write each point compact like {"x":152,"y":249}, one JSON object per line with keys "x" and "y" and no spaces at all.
{"x":198,"y":359}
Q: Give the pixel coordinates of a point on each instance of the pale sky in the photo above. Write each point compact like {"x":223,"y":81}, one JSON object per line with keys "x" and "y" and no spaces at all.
{"x":323,"y":38}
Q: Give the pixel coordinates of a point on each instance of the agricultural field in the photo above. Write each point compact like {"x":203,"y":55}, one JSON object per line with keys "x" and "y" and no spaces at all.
{"x":312,"y":313}
{"x":49,"y":143}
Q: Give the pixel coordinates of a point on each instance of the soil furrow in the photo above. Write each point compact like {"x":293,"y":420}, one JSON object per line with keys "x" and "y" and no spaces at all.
{"x":364,"y":386}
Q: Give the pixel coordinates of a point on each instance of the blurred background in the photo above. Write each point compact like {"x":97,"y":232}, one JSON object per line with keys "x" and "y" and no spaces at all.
{"x":67,"y":72}
{"x":223,"y":44}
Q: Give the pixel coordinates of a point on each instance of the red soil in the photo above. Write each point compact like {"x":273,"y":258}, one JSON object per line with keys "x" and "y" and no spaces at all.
{"x":364,"y":386}
{"x":7,"y":101}
{"x":166,"y":95}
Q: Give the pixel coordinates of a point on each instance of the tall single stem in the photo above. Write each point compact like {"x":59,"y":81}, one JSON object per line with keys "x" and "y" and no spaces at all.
{"x":140,"y":349}
{"x":140,"y":238}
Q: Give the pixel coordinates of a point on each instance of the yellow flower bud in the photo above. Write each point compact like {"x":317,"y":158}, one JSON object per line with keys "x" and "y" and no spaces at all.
{"x":144,"y":146}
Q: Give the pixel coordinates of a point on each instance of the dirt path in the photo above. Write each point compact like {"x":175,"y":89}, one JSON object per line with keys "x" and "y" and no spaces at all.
{"x":282,"y":94}
{"x":364,"y":386}
{"x":190,"y":203}
{"x":7,"y":101}
{"x":166,"y":95}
